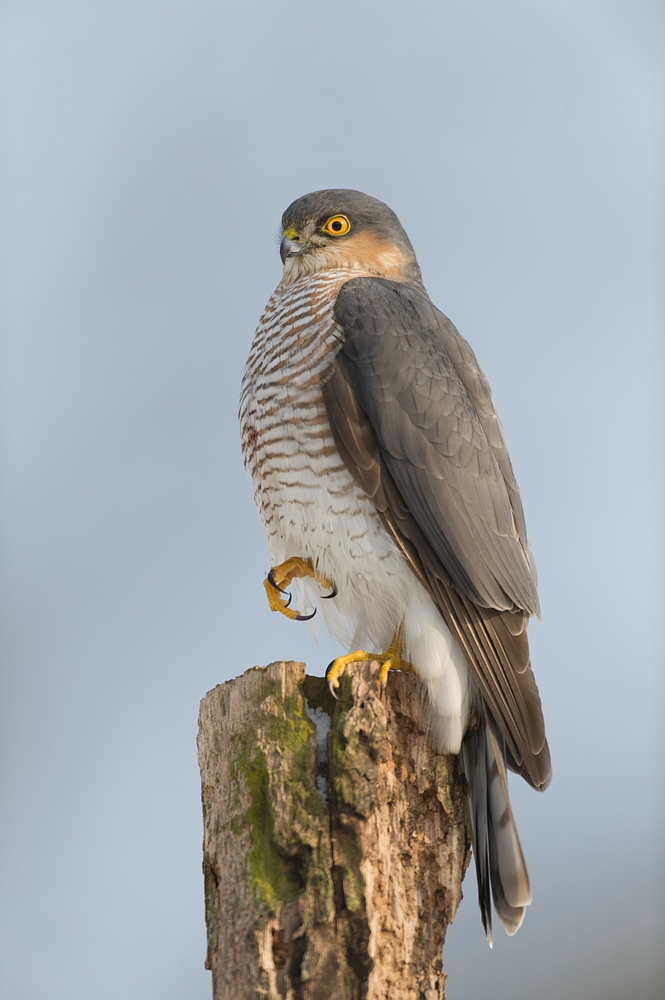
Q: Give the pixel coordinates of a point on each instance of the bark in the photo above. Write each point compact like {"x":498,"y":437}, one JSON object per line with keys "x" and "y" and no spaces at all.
{"x":335,"y":838}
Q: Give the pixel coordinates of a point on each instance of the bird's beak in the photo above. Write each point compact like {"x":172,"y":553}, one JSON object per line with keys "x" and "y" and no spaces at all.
{"x":289,"y":248}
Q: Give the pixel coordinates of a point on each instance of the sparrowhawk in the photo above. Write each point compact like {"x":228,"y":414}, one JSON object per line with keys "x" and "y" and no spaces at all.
{"x":382,"y":475}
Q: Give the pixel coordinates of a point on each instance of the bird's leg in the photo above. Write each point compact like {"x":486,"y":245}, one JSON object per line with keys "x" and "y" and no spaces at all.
{"x":281,"y":576}
{"x":390,"y":660}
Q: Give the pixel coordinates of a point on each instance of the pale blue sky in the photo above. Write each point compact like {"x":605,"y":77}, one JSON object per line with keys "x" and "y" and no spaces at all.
{"x":149,"y":149}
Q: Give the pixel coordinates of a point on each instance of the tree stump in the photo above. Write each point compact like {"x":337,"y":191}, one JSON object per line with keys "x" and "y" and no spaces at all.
{"x":335,"y":838}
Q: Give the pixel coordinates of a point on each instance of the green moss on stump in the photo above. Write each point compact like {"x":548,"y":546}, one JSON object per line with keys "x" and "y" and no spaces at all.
{"x":270,"y":876}
{"x":278,"y":857}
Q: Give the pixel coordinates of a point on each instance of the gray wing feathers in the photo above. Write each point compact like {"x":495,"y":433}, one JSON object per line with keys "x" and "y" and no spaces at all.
{"x":436,"y":444}
{"x":478,"y":389}
{"x":447,"y":504}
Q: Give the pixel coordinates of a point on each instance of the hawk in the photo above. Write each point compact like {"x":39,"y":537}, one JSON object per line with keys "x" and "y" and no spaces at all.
{"x":381,"y":473}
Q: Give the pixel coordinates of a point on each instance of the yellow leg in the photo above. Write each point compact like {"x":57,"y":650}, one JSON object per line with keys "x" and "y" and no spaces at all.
{"x":281,"y":576}
{"x":390,"y":660}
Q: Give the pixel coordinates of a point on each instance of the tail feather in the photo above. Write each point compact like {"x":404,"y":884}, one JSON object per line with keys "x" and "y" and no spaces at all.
{"x":473,"y":762}
{"x":500,"y":867}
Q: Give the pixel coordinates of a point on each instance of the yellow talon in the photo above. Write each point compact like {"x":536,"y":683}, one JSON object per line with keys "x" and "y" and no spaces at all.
{"x":386,"y":667}
{"x":276,"y":601}
{"x":339,"y":665}
{"x":390,"y":660}
{"x":281,"y":576}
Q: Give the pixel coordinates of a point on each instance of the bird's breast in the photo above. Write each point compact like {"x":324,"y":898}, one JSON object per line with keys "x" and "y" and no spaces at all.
{"x":282,"y":413}
{"x":308,"y":500}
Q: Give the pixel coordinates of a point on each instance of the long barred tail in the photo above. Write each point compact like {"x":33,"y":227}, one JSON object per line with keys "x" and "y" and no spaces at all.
{"x":500,"y":867}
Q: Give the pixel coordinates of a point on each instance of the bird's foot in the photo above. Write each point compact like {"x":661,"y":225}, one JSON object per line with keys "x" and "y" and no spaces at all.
{"x":281,"y":576}
{"x":390,"y":660}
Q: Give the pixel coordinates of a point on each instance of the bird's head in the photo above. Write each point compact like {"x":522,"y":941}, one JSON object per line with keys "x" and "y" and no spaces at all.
{"x":338,"y":228}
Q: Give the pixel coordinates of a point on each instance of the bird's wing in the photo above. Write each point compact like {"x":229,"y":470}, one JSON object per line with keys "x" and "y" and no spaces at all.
{"x":414,"y":422}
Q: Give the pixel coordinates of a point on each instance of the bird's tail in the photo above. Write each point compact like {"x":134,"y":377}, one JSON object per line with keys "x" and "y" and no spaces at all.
{"x":500,"y":866}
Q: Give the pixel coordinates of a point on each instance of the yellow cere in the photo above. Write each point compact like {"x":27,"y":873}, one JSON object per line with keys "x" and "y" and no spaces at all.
{"x":291,"y":233}
{"x":337,"y":225}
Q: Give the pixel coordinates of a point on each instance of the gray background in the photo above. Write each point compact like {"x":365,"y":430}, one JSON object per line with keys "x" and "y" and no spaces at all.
{"x":149,"y":149}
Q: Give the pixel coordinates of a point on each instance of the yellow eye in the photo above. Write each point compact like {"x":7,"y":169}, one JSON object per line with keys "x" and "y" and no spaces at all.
{"x":337,"y":225}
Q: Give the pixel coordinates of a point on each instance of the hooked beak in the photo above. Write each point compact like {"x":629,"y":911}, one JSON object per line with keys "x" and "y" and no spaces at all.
{"x":289,"y":248}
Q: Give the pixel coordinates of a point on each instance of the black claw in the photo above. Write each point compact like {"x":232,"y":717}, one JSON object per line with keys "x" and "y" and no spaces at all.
{"x":333,"y":593}
{"x":305,"y":618}
{"x":330,"y":687}
{"x":289,"y":600}
{"x":271,"y":581}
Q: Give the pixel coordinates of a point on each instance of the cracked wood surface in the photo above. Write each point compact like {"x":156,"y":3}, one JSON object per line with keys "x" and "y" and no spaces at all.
{"x":335,"y":838}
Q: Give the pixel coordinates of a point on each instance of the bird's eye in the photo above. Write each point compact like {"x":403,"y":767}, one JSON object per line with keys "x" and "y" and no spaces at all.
{"x":337,"y":225}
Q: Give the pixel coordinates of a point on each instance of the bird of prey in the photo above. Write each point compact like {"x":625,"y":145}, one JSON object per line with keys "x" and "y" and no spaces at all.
{"x":381,"y":472}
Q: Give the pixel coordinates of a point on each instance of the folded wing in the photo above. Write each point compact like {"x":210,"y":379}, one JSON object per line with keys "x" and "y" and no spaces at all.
{"x":413,"y":418}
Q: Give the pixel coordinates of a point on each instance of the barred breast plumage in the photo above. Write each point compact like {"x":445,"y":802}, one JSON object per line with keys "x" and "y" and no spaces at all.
{"x":311,"y":507}
{"x":307,"y":499}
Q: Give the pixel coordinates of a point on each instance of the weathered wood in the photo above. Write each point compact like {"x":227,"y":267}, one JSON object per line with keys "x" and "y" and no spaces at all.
{"x":331,"y":873}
